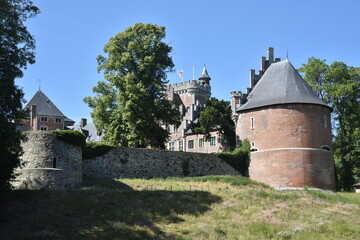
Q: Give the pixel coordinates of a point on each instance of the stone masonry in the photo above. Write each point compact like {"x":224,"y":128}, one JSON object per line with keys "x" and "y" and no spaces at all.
{"x":149,"y":163}
{"x":48,"y":163}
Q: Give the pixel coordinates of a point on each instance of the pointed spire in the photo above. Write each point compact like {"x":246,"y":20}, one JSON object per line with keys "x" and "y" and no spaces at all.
{"x":204,"y":75}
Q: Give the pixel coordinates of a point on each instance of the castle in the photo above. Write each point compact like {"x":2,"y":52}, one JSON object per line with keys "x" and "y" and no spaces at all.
{"x":191,"y":97}
{"x":288,"y":126}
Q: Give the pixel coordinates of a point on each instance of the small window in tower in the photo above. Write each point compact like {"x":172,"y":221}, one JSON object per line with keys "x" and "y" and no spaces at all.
{"x":325,"y":121}
{"x":252,"y":124}
{"x":326,"y":148}
{"x":54,"y":162}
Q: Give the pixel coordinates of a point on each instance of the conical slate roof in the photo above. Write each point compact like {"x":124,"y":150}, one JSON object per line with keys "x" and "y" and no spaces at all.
{"x":44,"y":106}
{"x":281,"y":84}
{"x":204,"y":74}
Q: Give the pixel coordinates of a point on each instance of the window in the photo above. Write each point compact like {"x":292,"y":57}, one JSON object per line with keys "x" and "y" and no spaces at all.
{"x":201,"y":143}
{"x":181,"y":145}
{"x":58,"y":120}
{"x":172,"y":146}
{"x":253,"y":144}
{"x":252,"y":125}
{"x":43,"y":128}
{"x":190,"y":144}
{"x":44,"y":119}
{"x":212,"y":141}
{"x":326,"y":148}
{"x":54,"y":162}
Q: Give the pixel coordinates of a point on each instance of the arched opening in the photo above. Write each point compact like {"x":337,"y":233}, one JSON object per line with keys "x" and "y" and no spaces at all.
{"x":326,"y":148}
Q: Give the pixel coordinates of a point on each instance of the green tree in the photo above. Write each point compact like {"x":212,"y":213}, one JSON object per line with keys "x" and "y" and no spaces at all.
{"x":340,"y":87}
{"x":130,"y":105}
{"x":216,"y":116}
{"x":16,"y":51}
{"x":315,"y":76}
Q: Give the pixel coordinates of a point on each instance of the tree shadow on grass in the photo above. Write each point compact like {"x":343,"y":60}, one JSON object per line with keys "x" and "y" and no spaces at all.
{"x":109,"y":210}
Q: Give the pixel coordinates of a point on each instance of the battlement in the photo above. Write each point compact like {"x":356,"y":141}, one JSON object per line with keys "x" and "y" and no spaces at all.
{"x":191,"y":84}
{"x":236,"y":94}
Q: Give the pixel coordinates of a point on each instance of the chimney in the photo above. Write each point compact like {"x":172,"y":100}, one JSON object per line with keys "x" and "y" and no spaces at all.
{"x":32,"y":114}
{"x":270,"y":55}
{"x":83,"y":122}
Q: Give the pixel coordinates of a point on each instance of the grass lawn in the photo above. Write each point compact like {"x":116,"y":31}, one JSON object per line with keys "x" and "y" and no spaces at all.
{"x":212,"y":207}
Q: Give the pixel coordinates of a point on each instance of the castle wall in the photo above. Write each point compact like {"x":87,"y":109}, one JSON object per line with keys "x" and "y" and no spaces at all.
{"x":48,"y":163}
{"x":149,"y":163}
{"x":292,"y":143}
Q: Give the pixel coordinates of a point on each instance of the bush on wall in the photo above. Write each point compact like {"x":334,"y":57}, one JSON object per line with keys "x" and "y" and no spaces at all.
{"x":71,"y":137}
{"x":93,"y":149}
{"x":239,"y":159}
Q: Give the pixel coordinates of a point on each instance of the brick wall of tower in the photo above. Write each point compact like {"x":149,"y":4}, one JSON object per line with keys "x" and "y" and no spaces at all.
{"x":291,"y":142}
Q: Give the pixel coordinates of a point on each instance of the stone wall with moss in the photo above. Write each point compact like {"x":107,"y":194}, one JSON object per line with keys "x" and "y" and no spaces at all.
{"x":49,"y":163}
{"x":149,"y":163}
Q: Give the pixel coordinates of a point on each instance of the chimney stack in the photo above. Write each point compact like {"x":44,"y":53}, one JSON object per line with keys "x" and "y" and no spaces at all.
{"x":83,"y":122}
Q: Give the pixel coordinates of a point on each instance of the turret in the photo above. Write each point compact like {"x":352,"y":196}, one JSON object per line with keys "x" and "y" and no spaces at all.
{"x":204,"y":79}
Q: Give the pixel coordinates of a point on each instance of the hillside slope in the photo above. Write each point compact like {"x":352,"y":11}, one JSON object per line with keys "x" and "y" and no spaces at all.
{"x":212,"y":207}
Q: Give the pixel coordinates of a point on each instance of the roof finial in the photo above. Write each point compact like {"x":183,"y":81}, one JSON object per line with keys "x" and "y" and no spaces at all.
{"x":39,"y":80}
{"x":287,"y":54}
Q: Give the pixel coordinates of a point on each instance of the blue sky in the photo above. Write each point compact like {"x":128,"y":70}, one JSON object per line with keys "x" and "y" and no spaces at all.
{"x":229,"y":36}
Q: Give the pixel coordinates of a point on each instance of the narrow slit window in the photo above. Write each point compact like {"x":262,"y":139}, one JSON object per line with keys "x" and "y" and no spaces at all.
{"x":54,"y":162}
{"x":252,"y":125}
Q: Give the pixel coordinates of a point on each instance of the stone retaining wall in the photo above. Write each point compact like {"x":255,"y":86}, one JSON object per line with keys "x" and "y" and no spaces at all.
{"x":48,"y":162}
{"x":149,"y":163}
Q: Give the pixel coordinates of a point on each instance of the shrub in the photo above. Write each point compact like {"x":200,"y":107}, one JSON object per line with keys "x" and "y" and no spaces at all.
{"x":71,"y":137}
{"x":239,"y":159}
{"x":93,"y":149}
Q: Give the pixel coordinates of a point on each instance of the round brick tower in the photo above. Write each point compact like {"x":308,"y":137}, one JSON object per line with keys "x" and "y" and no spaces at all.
{"x":289,"y":129}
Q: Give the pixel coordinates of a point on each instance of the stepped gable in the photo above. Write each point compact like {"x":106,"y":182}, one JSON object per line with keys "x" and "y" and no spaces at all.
{"x":44,"y":106}
{"x":281,"y":84}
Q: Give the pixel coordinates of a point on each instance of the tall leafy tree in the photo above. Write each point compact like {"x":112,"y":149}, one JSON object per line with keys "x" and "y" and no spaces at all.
{"x":130,"y":105}
{"x":216,"y":116}
{"x":16,"y":51}
{"x":340,"y":88}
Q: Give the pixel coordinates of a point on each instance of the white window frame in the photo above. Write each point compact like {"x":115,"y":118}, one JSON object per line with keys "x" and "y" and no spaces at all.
{"x":201,"y":142}
{"x":171,"y":146}
{"x":213,"y":141}
{"x":181,"y":145}
{"x":191,"y":146}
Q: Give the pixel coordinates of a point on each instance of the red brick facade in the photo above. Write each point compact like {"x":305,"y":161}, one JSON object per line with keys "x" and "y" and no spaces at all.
{"x":292,"y":143}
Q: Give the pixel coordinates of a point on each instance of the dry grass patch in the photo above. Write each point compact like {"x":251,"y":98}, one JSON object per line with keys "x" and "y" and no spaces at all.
{"x":213,"y":207}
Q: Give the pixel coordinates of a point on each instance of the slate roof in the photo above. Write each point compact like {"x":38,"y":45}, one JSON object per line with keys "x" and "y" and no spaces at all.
{"x":44,"y":106}
{"x":89,"y":130}
{"x":281,"y":84}
{"x":204,"y":74}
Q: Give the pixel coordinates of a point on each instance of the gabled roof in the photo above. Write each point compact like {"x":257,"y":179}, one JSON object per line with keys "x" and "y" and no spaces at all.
{"x":204,"y":74}
{"x":281,"y":84}
{"x":44,"y":106}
